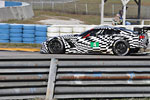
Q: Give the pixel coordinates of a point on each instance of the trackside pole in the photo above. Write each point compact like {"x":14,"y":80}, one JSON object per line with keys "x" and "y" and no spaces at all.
{"x":102,"y":11}
{"x":124,"y":2}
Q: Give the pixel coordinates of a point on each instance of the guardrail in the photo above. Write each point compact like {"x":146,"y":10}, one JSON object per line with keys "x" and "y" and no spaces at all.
{"x":74,"y":77}
{"x":23,"y":78}
{"x":99,"y":78}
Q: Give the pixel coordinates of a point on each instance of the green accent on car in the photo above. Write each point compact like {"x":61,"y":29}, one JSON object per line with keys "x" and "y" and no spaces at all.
{"x":94,"y":44}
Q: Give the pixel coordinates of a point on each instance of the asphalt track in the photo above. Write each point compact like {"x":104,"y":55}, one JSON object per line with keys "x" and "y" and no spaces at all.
{"x":16,"y":54}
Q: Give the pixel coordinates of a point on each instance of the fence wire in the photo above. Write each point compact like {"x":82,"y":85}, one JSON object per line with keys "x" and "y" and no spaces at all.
{"x":70,"y":6}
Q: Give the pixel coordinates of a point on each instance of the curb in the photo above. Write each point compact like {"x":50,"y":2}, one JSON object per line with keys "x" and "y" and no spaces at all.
{"x":20,"y":49}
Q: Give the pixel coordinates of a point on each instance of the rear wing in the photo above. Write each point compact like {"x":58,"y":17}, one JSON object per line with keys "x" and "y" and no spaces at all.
{"x":144,"y":29}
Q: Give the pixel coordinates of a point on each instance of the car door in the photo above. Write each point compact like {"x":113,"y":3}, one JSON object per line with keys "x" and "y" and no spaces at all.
{"x":88,"y":41}
{"x":105,"y":38}
{"x":93,"y":42}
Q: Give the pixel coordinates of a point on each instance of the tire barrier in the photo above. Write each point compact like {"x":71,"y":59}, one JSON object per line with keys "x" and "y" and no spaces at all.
{"x":4,"y":41}
{"x":52,"y":34}
{"x":16,"y":26}
{"x":15,"y":30}
{"x":4,"y":33}
{"x":28,"y":36}
{"x":41,"y":33}
{"x":28,"y":33}
{"x":30,"y":42}
{"x":16,"y":33}
{"x":28,"y":39}
{"x":59,"y":30}
{"x":16,"y":39}
{"x":4,"y":26}
{"x":4,"y":36}
{"x":41,"y":28}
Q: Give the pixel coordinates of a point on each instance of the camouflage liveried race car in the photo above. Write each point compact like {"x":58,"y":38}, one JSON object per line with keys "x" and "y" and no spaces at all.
{"x":101,"y":39}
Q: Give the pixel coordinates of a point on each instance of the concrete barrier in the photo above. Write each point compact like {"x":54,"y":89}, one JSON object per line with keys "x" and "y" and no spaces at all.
{"x":15,"y":12}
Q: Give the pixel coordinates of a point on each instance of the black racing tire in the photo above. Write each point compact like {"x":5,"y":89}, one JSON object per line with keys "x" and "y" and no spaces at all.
{"x":56,"y":46}
{"x":121,"y":48}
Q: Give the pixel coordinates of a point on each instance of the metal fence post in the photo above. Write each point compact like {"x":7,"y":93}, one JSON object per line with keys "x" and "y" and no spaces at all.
{"x":42,"y":5}
{"x":75,"y":7}
{"x":113,"y":9}
{"x":51,"y":79}
{"x":53,"y":5}
{"x":63,"y":7}
{"x":86,"y":6}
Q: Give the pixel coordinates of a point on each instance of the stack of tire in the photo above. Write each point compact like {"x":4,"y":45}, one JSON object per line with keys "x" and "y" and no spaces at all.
{"x":16,"y":33}
{"x":53,"y":31}
{"x":28,"y":34}
{"x":4,"y":33}
{"x":40,"y":34}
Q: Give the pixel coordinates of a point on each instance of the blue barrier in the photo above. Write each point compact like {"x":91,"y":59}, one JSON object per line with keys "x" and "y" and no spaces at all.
{"x":38,"y":42}
{"x":16,"y":26}
{"x":4,"y":41}
{"x":4,"y":36}
{"x":11,"y":4}
{"x":29,"y":42}
{"x":15,"y":30}
{"x":28,"y":39}
{"x":4,"y":26}
{"x":28,"y":31}
{"x":15,"y":39}
{"x":19,"y":33}
{"x":40,"y":38}
{"x":28,"y":35}
{"x":29,"y":27}
{"x":15,"y":42}
{"x":40,"y":34}
{"x":15,"y":34}
{"x":41,"y":28}
{"x":4,"y":31}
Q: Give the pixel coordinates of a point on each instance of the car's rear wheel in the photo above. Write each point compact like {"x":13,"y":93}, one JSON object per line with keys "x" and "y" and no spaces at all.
{"x":120,"y":48}
{"x":56,"y":46}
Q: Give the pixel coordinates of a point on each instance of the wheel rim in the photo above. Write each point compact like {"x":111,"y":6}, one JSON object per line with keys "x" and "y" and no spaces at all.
{"x":121,"y":48}
{"x":55,"y":46}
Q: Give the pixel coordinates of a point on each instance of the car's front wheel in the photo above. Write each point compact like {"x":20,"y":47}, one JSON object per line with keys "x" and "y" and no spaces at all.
{"x":120,"y":48}
{"x":56,"y":46}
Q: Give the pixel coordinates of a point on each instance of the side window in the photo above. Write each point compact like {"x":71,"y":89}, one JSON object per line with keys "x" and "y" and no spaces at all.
{"x":101,"y":32}
{"x":110,"y":32}
{"x":94,"y":32}
{"x":105,"y":32}
{"x":89,"y":33}
{"x":115,"y":32}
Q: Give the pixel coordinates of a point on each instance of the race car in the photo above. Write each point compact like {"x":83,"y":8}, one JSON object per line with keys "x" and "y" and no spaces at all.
{"x":101,"y":39}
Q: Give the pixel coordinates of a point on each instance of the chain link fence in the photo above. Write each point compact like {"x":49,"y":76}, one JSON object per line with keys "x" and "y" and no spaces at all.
{"x":70,"y":6}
